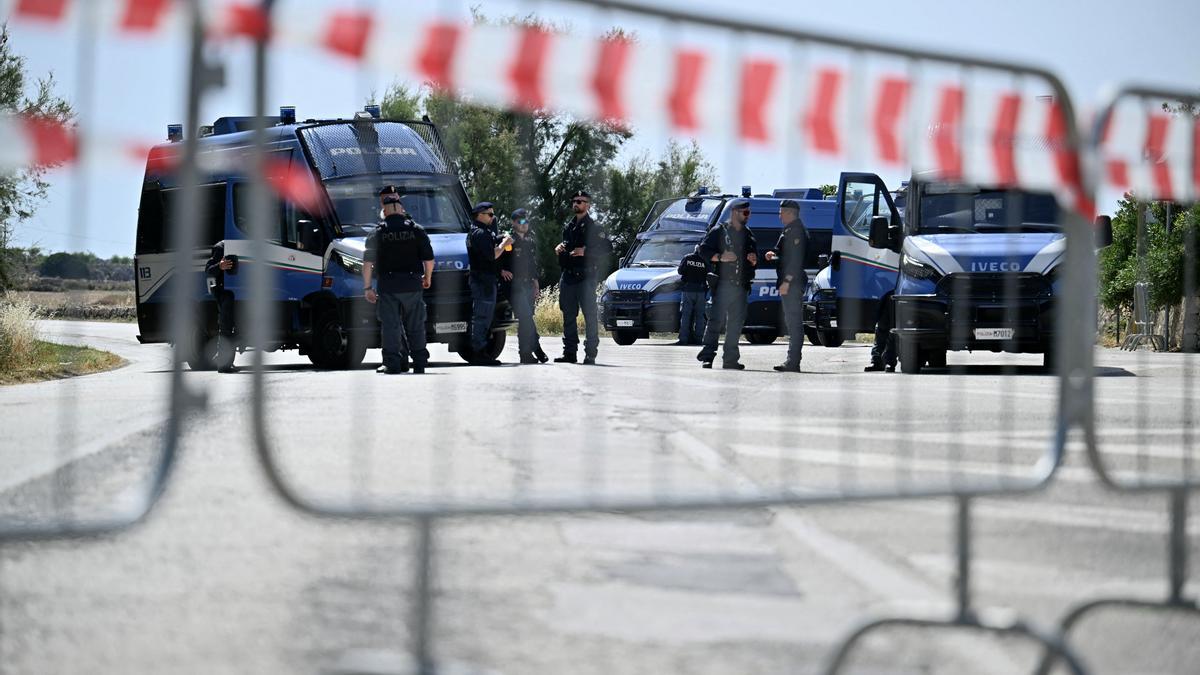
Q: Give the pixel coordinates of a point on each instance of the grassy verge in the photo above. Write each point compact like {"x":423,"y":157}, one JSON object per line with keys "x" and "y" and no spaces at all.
{"x":49,"y":361}
{"x":26,"y":358}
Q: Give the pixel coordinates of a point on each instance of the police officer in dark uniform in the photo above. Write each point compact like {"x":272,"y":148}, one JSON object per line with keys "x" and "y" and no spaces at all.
{"x":215,"y":269}
{"x":883,"y":352}
{"x":522,"y":271}
{"x":400,"y":251}
{"x":731,"y":247}
{"x":693,"y":269}
{"x":791,"y":279}
{"x":583,"y":256}
{"x":484,"y":248}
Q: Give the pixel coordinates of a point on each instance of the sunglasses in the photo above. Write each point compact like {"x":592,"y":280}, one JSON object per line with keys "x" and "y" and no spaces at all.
{"x":490,"y":213}
{"x":522,"y":221}
{"x":579,"y":201}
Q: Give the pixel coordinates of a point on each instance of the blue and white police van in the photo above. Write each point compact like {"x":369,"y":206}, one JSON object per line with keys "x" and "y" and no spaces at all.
{"x":976,"y":266}
{"x":317,"y":257}
{"x":642,"y":295}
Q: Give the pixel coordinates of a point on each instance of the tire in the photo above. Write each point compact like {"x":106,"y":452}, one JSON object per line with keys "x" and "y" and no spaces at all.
{"x":330,"y":348}
{"x":936,"y":358}
{"x":832,"y":338}
{"x":814,"y":338}
{"x":911,"y":358}
{"x":205,"y":354}
{"x":493,"y":349}
{"x":762,"y":338}
{"x":1048,"y":361}
{"x":625,"y":337}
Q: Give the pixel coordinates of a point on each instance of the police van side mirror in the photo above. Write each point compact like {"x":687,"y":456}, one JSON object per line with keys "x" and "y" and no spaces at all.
{"x":1104,"y":231}
{"x":823,"y":261}
{"x":882,"y":234}
{"x":310,"y":236}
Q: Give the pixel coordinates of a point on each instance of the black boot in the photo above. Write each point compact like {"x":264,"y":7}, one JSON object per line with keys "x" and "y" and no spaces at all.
{"x":567,"y":357}
{"x":540,"y":355}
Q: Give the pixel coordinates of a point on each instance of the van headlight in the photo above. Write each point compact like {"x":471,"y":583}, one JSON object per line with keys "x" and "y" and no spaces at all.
{"x":915,"y":269}
{"x":348,"y":262}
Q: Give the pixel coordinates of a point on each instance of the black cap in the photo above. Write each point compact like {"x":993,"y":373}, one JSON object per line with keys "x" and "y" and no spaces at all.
{"x":789,"y":204}
{"x":581,"y":194}
{"x":481,"y":207}
{"x":520,"y":213}
{"x":739,"y":203}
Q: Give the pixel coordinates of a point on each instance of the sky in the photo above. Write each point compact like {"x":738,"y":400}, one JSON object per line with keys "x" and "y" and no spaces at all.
{"x":135,"y":88}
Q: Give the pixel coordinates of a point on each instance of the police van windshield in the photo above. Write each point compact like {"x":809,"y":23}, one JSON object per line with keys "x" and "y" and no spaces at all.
{"x":988,"y":211}
{"x":660,"y":253}
{"x":687,"y":213}
{"x":435,"y":205}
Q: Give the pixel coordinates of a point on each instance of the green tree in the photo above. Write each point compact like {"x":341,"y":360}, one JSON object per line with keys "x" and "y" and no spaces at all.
{"x":67,"y":266}
{"x":534,"y":160}
{"x":21,"y":192}
{"x":631,"y":190}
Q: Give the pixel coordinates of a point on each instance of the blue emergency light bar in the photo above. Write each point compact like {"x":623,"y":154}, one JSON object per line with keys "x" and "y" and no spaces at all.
{"x":746,"y":191}
{"x":287,"y":114}
{"x":174,"y":132}
{"x":374,"y":111}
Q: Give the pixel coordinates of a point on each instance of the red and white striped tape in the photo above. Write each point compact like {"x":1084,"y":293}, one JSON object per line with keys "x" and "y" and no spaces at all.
{"x":1153,"y":153}
{"x":967,"y":130}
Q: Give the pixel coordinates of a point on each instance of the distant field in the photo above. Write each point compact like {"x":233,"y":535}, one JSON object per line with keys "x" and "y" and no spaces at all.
{"x":50,"y":299}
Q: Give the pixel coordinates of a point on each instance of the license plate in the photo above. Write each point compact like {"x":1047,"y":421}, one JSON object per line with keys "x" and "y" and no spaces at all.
{"x":450,"y":327}
{"x":993,"y":333}
{"x":833,"y":323}
{"x":624,"y":323}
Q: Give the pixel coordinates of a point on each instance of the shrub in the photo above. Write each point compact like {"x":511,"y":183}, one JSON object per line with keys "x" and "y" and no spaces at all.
{"x":548,"y":316}
{"x":18,"y":333}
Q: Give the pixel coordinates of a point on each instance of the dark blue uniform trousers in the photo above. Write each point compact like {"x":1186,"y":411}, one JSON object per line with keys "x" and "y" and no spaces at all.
{"x":573,"y":297}
{"x":522,"y":303}
{"x":483,"y":309}
{"x":402,"y":324}
{"x":728,"y":311}
{"x":793,"y":317}
{"x":692,"y":317}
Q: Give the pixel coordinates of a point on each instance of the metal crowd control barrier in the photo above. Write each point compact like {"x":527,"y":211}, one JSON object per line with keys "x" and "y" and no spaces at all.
{"x":977,"y":115}
{"x":962,"y":118}
{"x":1147,"y":140}
{"x":45,"y":140}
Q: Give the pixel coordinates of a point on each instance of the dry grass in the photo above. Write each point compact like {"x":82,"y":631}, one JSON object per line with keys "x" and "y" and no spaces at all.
{"x":549,"y":318}
{"x":55,"y":299}
{"x":18,"y":333}
{"x":25,"y":358}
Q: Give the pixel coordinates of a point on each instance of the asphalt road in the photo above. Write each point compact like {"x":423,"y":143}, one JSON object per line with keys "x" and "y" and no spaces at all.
{"x":225,"y":578}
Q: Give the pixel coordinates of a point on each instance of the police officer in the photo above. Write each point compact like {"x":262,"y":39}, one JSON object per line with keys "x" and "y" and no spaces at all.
{"x":484,"y":248}
{"x":400,"y":249}
{"x":523,"y":271}
{"x":215,"y":269}
{"x":883,"y":352}
{"x":583,"y":256}
{"x":693,"y":268}
{"x":731,"y":247}
{"x":792,"y":279}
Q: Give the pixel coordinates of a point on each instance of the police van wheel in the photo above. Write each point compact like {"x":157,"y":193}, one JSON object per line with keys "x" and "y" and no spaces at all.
{"x":814,"y":338}
{"x":625,"y":337}
{"x":912,"y":360}
{"x":203,"y":353}
{"x":832,"y":338}
{"x":331,"y":347}
{"x":761,"y":338}
{"x":495,"y":347}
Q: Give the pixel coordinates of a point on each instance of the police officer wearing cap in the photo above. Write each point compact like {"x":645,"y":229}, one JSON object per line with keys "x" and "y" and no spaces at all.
{"x":484,"y":248}
{"x":693,"y":270}
{"x":583,"y":256}
{"x":399,"y":256}
{"x":731,"y":247}
{"x":522,"y":271}
{"x":791,"y":279}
